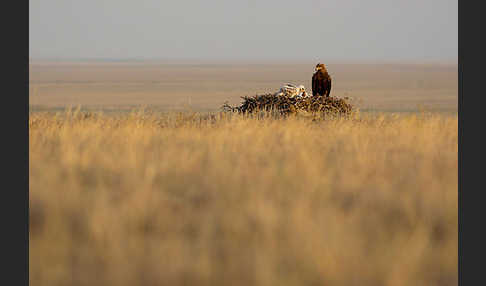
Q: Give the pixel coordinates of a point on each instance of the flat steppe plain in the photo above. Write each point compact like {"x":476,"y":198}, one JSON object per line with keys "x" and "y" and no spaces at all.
{"x":203,"y":86}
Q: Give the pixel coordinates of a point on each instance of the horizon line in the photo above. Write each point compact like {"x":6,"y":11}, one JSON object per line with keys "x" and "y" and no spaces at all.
{"x":238,"y":60}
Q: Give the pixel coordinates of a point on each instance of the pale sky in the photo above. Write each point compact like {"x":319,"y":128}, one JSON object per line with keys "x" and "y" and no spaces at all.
{"x":255,"y":29}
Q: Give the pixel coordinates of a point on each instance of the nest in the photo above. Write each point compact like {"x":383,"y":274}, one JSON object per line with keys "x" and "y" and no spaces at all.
{"x":288,"y":105}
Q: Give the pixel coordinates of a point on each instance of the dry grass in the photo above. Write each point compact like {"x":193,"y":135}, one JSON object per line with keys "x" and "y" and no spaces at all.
{"x":153,"y":199}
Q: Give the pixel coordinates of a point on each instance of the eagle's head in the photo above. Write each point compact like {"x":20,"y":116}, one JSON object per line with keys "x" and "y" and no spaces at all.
{"x":320,"y":66}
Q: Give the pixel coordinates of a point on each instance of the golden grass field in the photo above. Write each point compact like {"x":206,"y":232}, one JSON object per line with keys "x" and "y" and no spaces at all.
{"x":149,"y":198}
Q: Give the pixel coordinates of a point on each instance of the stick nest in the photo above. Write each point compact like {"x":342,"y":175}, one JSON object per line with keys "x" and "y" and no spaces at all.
{"x":286,"y":105}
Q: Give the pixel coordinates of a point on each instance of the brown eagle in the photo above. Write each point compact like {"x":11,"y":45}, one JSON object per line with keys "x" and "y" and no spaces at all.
{"x":321,"y":81}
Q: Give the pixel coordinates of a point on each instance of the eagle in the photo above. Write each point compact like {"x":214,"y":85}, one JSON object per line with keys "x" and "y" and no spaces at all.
{"x":321,"y":81}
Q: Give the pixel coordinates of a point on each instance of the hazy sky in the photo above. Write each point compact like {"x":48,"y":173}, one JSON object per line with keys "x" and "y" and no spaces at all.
{"x":255,"y":29}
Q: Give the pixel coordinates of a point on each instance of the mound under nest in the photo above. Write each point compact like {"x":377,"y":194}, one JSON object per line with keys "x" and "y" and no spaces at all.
{"x":288,"y":105}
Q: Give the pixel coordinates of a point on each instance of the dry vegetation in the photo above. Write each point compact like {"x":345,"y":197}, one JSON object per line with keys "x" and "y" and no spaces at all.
{"x":187,"y":199}
{"x":286,"y":105}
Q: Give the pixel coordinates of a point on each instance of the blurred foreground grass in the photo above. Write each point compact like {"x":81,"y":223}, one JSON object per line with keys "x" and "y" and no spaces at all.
{"x":190,"y":199}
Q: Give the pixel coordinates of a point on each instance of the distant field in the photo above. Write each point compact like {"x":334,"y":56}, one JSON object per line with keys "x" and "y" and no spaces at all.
{"x":204,"y":87}
{"x":146,"y":198}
